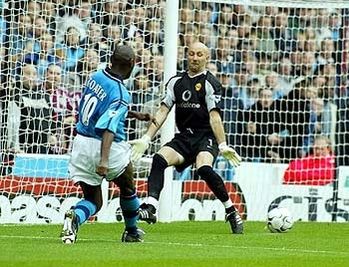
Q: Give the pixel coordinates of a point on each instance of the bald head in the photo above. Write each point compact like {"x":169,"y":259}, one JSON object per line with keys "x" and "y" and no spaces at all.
{"x":199,"y":46}
{"x":123,"y":60}
{"x":198,"y":56}
{"x":123,"y":53}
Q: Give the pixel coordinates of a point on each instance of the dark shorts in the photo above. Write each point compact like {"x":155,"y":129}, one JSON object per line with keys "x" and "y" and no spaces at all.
{"x":190,"y":142}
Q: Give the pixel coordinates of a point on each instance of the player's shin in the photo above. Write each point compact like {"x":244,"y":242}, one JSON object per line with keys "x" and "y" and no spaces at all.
{"x":130,"y":206}
{"x":156,"y":177}
{"x":84,"y":209}
{"x":214,"y":182}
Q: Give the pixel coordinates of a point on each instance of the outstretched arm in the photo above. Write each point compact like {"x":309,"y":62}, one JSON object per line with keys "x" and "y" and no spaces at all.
{"x":141,"y":116}
{"x":160,"y":118}
{"x":141,"y":145}
{"x":217,"y":127}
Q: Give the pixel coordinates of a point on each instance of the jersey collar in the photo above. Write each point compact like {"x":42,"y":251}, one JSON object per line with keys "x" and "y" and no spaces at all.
{"x":112,"y":75}
{"x":196,"y":75}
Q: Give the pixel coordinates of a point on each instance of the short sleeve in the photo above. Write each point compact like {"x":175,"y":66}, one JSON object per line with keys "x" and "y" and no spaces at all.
{"x":170,"y":98}
{"x":213,"y":95}
{"x":111,"y":118}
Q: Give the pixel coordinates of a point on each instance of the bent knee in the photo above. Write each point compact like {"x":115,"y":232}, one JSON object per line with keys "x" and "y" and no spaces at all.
{"x":126,"y":185}
{"x":159,"y":162}
{"x":205,"y":172}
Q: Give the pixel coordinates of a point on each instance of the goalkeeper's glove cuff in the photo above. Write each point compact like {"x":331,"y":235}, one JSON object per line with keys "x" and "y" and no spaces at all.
{"x":146,"y":138}
{"x":222,"y":145}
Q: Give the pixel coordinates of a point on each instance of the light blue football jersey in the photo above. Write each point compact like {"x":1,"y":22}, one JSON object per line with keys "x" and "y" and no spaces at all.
{"x":103,"y":106}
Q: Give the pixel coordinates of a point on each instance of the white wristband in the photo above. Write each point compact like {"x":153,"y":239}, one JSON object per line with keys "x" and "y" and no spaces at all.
{"x":146,"y":138}
{"x":221,"y":145}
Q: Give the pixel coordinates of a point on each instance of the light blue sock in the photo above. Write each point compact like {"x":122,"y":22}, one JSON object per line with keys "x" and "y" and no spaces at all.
{"x":84,"y":209}
{"x":129,"y":206}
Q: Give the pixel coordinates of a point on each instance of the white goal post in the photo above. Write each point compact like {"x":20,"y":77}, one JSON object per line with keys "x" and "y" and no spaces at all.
{"x":167,"y":132}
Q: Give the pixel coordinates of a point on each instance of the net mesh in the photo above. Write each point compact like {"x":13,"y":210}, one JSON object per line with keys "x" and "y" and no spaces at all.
{"x":283,"y":68}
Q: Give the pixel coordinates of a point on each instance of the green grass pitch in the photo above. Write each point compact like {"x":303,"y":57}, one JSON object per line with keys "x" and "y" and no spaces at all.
{"x":177,"y":244}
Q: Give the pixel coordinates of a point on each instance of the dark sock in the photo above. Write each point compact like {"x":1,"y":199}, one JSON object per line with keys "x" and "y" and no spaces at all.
{"x":84,"y":209}
{"x":214,"y":182}
{"x":156,"y":176}
{"x":129,"y":206}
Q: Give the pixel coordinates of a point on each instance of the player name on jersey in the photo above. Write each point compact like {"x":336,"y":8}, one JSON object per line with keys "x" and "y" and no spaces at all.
{"x":97,"y":89}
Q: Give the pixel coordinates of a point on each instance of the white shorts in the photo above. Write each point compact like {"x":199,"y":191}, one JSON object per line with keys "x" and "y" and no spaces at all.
{"x":86,"y":155}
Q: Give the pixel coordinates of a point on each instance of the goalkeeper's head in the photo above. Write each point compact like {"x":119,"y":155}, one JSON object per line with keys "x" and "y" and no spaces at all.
{"x":198,"y":56}
{"x":123,"y":60}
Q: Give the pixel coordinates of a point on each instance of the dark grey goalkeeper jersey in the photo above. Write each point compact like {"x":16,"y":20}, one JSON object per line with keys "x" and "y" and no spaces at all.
{"x":194,"y":97}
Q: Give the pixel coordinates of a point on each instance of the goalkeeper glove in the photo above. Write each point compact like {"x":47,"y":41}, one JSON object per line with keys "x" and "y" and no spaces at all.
{"x":230,"y":154}
{"x":139,"y":146}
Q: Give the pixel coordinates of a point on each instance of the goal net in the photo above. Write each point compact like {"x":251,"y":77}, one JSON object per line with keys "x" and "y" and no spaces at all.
{"x":283,"y":67}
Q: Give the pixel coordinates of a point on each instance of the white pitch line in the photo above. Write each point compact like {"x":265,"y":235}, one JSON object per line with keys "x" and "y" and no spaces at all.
{"x":343,"y":253}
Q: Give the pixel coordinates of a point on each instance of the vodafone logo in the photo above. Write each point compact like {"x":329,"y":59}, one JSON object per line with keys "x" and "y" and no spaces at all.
{"x":186,"y":95}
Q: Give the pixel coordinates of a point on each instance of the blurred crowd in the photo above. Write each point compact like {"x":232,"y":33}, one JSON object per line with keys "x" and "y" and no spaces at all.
{"x":283,"y":70}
